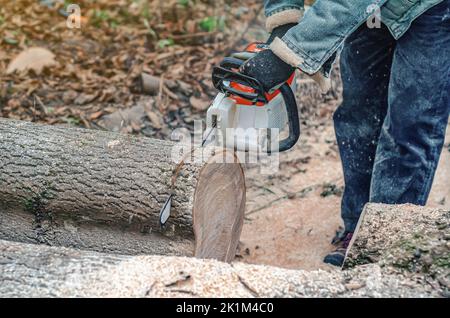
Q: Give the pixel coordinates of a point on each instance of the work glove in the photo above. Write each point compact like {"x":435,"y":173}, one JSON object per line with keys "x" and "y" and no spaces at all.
{"x":276,"y":64}
{"x":273,"y":69}
{"x":268,"y":69}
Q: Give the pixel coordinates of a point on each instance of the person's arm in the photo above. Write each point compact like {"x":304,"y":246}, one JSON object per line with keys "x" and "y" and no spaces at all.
{"x":311,"y":45}
{"x":321,"y":32}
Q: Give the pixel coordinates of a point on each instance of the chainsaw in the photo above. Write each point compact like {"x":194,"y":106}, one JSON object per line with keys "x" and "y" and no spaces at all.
{"x":245,"y":116}
{"x":242,"y":106}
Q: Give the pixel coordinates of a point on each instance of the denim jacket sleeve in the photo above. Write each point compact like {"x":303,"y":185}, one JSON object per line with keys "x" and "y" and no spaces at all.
{"x":282,"y":12}
{"x":312,"y":44}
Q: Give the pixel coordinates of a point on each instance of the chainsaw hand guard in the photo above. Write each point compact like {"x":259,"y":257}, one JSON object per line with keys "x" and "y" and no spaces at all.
{"x":223,"y":76}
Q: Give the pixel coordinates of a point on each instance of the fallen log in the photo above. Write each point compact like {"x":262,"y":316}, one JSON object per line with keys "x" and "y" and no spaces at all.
{"x":103,"y":191}
{"x":149,"y":84}
{"x":41,"y":271}
{"x":406,"y":238}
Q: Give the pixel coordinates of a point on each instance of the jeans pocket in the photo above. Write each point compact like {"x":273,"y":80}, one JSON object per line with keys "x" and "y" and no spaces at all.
{"x":397,"y":8}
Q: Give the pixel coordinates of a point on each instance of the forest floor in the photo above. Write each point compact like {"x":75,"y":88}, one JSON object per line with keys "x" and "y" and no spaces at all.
{"x":292,"y":215}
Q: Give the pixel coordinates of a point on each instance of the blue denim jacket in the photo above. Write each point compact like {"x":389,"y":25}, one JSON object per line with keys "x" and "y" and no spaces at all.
{"x":323,"y":28}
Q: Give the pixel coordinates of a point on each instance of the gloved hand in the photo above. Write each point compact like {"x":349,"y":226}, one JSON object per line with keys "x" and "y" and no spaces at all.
{"x":265,"y":66}
{"x":268,"y":69}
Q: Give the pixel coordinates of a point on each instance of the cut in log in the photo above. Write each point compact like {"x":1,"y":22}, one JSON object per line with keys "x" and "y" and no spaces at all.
{"x":103,"y":191}
{"x":41,"y":271}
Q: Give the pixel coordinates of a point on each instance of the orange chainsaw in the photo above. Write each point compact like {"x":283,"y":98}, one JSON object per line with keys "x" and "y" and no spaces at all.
{"x":244,"y":115}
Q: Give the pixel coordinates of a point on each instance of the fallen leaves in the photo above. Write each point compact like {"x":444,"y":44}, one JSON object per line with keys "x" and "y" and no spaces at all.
{"x":85,"y":99}
{"x":123,"y":118}
{"x":80,"y":76}
{"x":34,"y":58}
{"x":69,"y":96}
{"x":96,"y":115}
{"x":199,"y":104}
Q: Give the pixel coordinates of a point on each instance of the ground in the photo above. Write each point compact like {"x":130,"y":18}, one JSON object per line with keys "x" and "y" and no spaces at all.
{"x":291,"y":216}
{"x":296,"y":233}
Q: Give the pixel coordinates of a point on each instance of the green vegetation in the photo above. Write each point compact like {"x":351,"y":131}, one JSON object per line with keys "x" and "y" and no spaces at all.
{"x":184,"y":3}
{"x":10,"y":41}
{"x":145,"y":13}
{"x":100,"y":17}
{"x":71,"y":120}
{"x":165,"y":43}
{"x":211,"y":24}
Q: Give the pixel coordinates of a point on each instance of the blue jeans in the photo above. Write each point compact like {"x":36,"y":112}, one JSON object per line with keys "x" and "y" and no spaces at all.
{"x":391,"y":124}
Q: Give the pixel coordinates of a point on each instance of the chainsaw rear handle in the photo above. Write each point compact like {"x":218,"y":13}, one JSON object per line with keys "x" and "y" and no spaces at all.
{"x":293,"y":119}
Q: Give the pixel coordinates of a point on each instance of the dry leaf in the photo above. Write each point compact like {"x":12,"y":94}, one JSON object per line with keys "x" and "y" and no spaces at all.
{"x":198,"y":103}
{"x":69,"y":96}
{"x":35,"y":58}
{"x":96,"y":115}
{"x":154,"y":119}
{"x":85,"y":98}
{"x":122,"y":118}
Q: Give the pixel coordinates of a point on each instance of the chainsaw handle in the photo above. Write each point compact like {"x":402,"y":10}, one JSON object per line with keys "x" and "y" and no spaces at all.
{"x":224,"y":75}
{"x":293,"y":119}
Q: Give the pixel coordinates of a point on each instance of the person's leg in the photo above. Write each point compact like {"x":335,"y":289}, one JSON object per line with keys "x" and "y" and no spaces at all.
{"x":413,"y":132}
{"x":365,"y":70}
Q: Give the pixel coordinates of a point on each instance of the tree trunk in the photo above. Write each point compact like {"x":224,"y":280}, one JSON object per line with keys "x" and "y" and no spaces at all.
{"x":103,"y":191}
{"x":406,"y":238}
{"x":41,"y":271}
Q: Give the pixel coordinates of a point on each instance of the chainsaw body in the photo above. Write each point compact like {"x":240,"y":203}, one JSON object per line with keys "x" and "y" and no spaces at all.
{"x":247,"y":118}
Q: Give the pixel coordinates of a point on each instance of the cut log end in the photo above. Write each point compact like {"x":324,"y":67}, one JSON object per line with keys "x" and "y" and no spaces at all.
{"x":219,"y":207}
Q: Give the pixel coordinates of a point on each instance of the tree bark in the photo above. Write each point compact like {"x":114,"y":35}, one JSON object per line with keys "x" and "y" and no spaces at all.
{"x":406,"y":238}
{"x":103,"y":191}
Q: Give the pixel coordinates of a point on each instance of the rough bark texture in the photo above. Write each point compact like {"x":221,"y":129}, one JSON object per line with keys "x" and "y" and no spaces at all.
{"x":41,"y":271}
{"x":102,"y":190}
{"x":406,"y":238}
{"x":23,"y":227}
{"x":92,"y":176}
